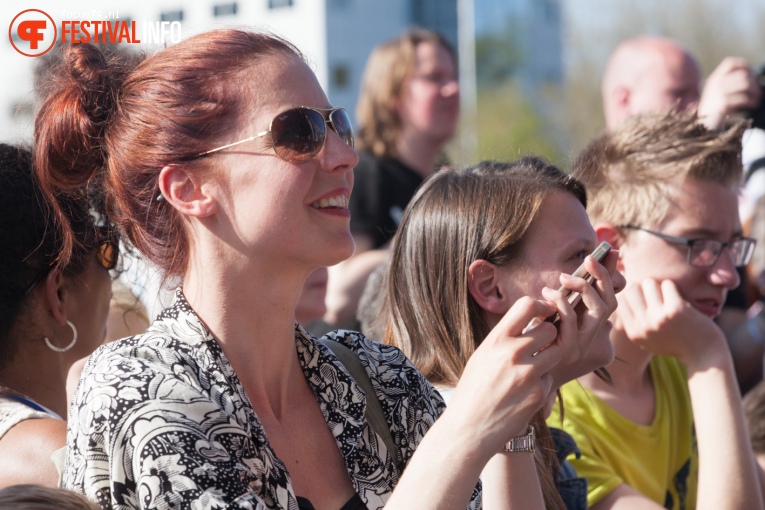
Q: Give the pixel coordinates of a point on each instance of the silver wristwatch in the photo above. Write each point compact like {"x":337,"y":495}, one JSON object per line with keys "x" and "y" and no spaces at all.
{"x":521,"y":443}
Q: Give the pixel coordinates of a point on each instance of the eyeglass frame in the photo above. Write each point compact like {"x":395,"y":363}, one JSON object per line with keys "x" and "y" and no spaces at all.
{"x":327,"y":121}
{"x":688,"y":243}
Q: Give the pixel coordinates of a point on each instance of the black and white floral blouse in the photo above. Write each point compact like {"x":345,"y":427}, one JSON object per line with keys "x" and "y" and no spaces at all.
{"x":160,"y":420}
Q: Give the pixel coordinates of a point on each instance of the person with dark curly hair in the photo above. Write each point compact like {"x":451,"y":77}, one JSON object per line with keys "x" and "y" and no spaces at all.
{"x":51,"y":314}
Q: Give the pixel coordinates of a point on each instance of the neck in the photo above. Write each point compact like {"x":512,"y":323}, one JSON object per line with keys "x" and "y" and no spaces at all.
{"x":38,"y":375}
{"x":418,"y":152}
{"x":251,"y":315}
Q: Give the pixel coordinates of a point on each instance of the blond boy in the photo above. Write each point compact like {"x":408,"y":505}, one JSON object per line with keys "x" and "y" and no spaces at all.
{"x":663,"y":190}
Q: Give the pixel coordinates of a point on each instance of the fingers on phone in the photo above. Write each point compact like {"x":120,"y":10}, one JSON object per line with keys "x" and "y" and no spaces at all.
{"x":604,"y":283}
{"x":562,"y":299}
{"x":522,"y":312}
{"x":610,"y":261}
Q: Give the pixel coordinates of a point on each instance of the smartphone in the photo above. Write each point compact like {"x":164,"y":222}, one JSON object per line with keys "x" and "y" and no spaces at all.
{"x":572,"y":297}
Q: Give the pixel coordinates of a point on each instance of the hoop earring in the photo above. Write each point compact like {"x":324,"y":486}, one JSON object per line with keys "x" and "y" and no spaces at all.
{"x":71,"y":344}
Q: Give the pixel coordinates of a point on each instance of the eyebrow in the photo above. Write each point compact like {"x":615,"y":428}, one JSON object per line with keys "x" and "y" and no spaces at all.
{"x":580,"y":243}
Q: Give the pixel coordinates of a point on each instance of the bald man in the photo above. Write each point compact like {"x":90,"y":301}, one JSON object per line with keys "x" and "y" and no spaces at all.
{"x":655,"y":74}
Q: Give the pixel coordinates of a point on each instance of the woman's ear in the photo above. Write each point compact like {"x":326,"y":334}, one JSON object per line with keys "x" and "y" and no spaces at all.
{"x":56,"y":295}
{"x":186,"y":192}
{"x":485,"y":285}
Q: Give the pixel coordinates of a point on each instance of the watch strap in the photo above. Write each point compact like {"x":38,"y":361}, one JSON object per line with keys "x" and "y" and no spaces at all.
{"x":523,"y":443}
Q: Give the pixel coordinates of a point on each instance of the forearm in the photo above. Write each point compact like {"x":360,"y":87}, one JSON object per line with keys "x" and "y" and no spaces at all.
{"x":510,"y":481}
{"x":442,"y":473}
{"x":728,"y":478}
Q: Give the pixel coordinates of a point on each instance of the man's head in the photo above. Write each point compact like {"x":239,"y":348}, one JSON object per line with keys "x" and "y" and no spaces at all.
{"x":648,"y":75}
{"x":667,"y":175}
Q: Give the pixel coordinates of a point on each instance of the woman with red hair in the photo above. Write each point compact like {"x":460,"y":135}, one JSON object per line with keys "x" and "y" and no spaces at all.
{"x":225,"y":164}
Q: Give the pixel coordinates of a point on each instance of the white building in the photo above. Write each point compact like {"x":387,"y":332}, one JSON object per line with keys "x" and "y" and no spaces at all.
{"x":335,"y":35}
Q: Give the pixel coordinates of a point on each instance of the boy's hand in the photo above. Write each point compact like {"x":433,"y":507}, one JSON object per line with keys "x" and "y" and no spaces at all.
{"x":656,"y":318}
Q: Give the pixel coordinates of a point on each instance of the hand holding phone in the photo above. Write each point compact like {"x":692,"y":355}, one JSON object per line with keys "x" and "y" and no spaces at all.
{"x":599,"y":254}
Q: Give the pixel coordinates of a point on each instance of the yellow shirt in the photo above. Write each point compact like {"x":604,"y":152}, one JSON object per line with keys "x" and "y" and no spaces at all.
{"x":659,"y":460}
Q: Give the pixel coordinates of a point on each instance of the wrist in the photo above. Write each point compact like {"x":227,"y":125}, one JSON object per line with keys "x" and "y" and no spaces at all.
{"x":523,"y":443}
{"x":462,"y":438}
{"x":715,"y":354}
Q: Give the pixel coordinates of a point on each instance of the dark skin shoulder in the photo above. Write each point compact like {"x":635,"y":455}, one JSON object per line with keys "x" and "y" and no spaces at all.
{"x":26,"y":449}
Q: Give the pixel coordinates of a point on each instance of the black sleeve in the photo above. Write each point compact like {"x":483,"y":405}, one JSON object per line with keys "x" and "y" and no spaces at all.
{"x":367,"y":215}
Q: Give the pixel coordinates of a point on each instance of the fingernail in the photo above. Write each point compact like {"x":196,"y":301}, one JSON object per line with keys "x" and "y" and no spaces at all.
{"x":531,"y":325}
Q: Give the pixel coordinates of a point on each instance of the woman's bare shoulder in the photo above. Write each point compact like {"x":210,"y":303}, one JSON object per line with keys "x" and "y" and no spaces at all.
{"x":26,"y":452}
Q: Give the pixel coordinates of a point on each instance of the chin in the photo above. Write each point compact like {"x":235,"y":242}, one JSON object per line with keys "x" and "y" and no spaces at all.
{"x":601,"y":353}
{"x":608,"y":356}
{"x":337,"y":252}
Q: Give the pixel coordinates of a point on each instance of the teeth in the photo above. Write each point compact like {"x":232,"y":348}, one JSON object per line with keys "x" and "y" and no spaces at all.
{"x":339,"y":201}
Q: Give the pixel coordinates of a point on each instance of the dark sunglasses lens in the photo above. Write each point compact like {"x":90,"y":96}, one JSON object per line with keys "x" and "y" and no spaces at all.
{"x":342,"y":125}
{"x":298,"y":134}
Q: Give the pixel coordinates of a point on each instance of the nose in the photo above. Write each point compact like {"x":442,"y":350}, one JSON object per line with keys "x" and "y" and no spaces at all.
{"x":450,"y":88}
{"x":336,"y":154}
{"x":619,"y":281}
{"x":723,"y":273}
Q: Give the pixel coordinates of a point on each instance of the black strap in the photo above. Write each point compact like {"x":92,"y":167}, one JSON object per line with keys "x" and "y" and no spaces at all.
{"x":374,"y":415}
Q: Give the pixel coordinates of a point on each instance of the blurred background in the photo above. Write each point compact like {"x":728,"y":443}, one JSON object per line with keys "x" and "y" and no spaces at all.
{"x":529,"y":69}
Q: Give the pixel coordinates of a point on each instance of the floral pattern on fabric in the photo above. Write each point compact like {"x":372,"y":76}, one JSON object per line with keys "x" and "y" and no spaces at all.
{"x":160,"y":420}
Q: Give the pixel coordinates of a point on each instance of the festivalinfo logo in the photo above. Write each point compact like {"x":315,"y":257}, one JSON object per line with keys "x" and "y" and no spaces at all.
{"x":33,"y":32}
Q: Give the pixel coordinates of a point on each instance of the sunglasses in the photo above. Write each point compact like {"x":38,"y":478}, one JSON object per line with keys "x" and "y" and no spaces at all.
{"x":107,"y":253}
{"x":299,"y":134}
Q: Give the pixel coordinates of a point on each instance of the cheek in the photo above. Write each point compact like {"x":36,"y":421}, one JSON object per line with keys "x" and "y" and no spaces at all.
{"x":421,"y":103}
{"x":639,"y":262}
{"x":529,"y":282}
{"x":263,"y":207}
{"x":550,"y":279}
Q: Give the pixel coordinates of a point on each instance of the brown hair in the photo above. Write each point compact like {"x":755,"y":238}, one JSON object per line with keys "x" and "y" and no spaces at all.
{"x":120,"y":123}
{"x":38,"y":497}
{"x":388,"y":67}
{"x":631,"y":170}
{"x":459,"y":216}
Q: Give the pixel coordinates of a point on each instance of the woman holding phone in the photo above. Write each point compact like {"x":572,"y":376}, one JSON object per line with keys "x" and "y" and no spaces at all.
{"x":226,"y":165}
{"x":481,"y":239}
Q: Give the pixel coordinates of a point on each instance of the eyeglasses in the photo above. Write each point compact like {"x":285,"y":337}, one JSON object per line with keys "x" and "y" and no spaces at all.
{"x":107,"y":254}
{"x":704,"y":253}
{"x":299,"y":134}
